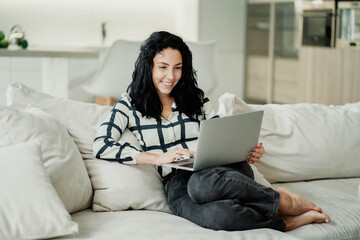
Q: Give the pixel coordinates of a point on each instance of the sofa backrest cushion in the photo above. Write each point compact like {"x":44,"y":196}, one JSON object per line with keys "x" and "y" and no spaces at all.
{"x":305,"y":141}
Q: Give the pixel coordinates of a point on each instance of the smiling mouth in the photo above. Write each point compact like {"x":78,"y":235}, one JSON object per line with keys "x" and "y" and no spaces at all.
{"x":167,"y":84}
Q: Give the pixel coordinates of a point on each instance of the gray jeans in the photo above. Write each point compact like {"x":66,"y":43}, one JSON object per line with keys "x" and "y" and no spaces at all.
{"x":223,"y":198}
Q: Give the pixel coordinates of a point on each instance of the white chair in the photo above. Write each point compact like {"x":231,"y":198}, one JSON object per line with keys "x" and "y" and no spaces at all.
{"x":115,"y":72}
{"x":204,"y":64}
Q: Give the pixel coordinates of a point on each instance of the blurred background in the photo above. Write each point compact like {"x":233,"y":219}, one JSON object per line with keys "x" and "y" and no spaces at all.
{"x":266,"y":51}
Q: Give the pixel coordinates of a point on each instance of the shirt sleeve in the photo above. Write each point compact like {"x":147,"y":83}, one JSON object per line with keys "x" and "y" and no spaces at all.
{"x":108,"y":144}
{"x":209,"y":109}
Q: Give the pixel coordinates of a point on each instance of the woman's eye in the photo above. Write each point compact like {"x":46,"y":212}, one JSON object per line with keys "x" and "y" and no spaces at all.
{"x":178,"y":68}
{"x":162,"y":67}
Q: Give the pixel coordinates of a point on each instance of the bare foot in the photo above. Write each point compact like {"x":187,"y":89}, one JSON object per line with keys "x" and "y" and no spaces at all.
{"x":311,"y":216}
{"x":293,"y":204}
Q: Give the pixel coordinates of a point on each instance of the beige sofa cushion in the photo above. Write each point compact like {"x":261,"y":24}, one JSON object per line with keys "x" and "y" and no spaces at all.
{"x":61,"y":157}
{"x":29,"y":205}
{"x":337,"y":197}
{"x":305,"y":141}
{"x":119,"y":186}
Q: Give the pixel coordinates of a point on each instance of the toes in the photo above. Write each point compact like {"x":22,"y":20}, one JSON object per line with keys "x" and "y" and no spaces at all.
{"x":309,"y":217}
{"x":321,"y":218}
{"x":327,"y":218}
{"x":318,"y":209}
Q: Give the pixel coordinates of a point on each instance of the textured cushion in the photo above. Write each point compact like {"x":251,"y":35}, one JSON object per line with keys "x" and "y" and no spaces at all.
{"x":155,"y":225}
{"x":119,"y":186}
{"x":305,"y":141}
{"x":62,"y":159}
{"x":29,"y":205}
{"x":337,"y":198}
{"x":116,"y":186}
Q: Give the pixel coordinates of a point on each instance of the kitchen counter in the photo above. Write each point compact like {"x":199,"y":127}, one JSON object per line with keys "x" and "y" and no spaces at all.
{"x":52,"y":52}
{"x":56,"y":64}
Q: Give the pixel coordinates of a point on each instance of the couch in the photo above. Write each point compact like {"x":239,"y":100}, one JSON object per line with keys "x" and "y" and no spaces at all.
{"x":53,"y":187}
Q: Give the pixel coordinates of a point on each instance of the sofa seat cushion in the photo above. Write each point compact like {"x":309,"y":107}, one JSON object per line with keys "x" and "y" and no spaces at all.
{"x":339,"y":199}
{"x":147,"y":225}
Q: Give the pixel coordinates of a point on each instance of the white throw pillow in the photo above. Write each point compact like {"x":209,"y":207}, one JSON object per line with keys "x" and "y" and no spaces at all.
{"x":119,"y":186}
{"x":259,"y":177}
{"x":116,"y":186}
{"x":62,"y":159}
{"x":305,"y":141}
{"x":29,"y":205}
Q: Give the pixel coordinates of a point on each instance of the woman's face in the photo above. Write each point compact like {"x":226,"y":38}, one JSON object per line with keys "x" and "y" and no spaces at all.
{"x":166,"y":71}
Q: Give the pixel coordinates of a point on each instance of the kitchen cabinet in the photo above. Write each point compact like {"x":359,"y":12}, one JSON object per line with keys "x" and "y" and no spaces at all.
{"x":329,"y":76}
{"x":280,"y":70}
{"x":272,"y":56}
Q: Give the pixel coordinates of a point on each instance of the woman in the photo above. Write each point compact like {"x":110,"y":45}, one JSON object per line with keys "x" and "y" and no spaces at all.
{"x":163,"y":109}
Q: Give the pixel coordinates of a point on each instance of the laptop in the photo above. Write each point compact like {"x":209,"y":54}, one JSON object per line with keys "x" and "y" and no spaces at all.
{"x":223,"y":141}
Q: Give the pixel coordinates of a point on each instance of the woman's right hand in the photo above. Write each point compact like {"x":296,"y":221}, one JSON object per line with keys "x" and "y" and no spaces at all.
{"x":172,"y":155}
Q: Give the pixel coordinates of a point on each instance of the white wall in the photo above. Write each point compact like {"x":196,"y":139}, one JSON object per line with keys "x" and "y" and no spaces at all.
{"x":78,"y":23}
{"x":225,"y":22}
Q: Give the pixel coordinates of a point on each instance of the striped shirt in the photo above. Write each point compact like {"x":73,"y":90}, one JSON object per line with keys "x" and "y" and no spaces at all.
{"x":155,"y":136}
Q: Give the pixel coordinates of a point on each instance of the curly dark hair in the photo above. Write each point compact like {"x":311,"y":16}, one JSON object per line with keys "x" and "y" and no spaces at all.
{"x":187,"y":95}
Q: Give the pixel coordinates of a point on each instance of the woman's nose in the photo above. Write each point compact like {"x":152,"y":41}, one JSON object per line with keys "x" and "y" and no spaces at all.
{"x":170,"y":74}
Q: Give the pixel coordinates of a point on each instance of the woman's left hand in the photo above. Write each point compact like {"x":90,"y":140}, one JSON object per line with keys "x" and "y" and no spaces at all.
{"x":255,"y":154}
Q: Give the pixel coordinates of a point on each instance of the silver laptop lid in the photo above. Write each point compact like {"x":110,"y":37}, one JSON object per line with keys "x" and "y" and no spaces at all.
{"x":227,"y":140}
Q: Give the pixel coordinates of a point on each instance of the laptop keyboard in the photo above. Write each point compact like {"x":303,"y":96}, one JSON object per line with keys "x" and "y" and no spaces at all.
{"x":189,"y":165}
{"x":188,"y":162}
